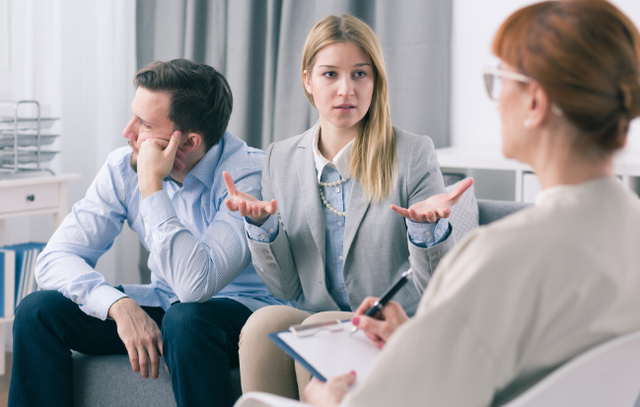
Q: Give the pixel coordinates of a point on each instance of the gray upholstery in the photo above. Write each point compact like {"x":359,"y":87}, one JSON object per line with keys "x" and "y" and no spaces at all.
{"x":490,"y":210}
{"x":109,"y":380}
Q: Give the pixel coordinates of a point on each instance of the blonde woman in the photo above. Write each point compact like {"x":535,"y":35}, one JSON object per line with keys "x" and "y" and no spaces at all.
{"x":337,"y":190}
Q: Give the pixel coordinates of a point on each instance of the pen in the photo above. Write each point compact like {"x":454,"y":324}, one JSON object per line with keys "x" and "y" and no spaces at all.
{"x":384,"y":299}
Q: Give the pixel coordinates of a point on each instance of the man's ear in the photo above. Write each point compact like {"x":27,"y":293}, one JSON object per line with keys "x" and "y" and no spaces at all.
{"x":190,"y":142}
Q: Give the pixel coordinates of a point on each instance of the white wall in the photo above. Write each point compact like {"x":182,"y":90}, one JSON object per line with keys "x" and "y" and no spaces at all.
{"x":474,"y":118}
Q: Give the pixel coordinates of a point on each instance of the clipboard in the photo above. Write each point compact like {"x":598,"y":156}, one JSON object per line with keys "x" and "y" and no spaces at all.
{"x":328,"y":349}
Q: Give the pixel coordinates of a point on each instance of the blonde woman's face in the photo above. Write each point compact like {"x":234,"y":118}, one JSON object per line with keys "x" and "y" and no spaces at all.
{"x":341,"y":83}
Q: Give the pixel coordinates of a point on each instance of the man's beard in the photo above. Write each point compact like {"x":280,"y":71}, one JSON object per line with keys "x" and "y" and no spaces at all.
{"x":133,"y":163}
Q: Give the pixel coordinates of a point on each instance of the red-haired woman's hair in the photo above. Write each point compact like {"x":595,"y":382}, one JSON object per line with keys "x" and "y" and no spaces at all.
{"x":586,"y":56}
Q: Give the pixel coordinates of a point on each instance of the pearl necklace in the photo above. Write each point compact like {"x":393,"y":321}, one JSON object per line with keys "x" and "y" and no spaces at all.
{"x":324,"y":200}
{"x":334,"y":183}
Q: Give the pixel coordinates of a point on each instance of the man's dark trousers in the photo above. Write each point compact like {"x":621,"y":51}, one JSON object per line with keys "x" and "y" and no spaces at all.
{"x":200,"y":346}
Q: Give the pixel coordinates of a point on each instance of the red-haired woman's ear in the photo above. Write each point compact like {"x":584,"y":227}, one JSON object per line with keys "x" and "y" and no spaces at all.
{"x":538,"y":107}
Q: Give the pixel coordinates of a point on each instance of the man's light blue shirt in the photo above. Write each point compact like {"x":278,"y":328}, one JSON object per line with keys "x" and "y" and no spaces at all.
{"x":197,"y":246}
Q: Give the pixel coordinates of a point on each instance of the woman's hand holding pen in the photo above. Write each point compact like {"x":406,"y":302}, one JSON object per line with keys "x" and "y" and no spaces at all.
{"x":435,"y":207}
{"x":380,"y":328}
{"x":246,"y":204}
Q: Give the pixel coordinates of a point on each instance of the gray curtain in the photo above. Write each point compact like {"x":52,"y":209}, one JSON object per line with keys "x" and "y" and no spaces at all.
{"x":257,"y":45}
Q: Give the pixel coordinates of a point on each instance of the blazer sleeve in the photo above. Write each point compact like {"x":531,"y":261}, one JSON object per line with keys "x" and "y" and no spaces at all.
{"x":424,"y":179}
{"x":274,"y":261}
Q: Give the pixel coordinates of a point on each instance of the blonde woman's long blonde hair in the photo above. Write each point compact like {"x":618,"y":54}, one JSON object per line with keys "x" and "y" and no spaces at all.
{"x":373,"y":158}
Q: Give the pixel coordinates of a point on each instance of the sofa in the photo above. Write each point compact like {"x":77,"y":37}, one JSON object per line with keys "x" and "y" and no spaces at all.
{"x":110,"y":381}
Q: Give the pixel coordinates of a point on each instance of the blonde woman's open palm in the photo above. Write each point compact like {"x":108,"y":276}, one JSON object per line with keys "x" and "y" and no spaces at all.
{"x":435,"y":207}
{"x":246,"y":204}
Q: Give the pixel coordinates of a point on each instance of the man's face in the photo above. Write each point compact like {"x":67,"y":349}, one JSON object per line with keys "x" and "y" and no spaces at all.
{"x":150,"y":120}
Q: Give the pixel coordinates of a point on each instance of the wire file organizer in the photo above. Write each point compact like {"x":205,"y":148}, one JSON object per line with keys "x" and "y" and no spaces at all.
{"x":22,"y":139}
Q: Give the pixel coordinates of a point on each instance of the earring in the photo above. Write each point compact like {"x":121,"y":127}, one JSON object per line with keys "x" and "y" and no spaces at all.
{"x":527,"y":123}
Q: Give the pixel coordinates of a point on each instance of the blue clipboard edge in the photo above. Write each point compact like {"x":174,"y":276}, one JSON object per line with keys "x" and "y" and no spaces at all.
{"x":293,"y":354}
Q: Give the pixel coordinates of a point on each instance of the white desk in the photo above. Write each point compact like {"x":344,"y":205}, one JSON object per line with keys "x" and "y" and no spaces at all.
{"x":31,"y":196}
{"x":462,"y":159}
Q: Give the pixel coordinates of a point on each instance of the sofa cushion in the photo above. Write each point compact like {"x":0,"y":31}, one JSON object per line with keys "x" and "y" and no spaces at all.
{"x":109,"y":381}
{"x":464,"y":215}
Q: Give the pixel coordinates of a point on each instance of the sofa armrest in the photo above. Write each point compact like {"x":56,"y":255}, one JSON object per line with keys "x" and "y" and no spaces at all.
{"x":490,"y":210}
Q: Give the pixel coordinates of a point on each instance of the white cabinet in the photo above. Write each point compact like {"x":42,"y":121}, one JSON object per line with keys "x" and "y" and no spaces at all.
{"x":514,"y":176}
{"x":31,"y":196}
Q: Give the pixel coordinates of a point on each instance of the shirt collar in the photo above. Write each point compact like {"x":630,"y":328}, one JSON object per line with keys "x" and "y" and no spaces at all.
{"x":204,"y":170}
{"x":340,"y":161}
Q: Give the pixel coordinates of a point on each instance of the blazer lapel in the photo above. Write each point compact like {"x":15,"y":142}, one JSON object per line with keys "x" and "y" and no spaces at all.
{"x":310,"y":201}
{"x":356,"y":209}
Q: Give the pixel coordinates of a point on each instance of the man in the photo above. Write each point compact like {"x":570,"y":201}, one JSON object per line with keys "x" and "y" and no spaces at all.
{"x":168,"y":186}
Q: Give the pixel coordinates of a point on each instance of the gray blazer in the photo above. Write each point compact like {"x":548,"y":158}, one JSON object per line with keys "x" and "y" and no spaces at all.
{"x":376,"y":244}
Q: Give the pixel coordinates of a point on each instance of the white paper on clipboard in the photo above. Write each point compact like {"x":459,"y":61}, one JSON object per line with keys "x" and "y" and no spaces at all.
{"x":332,"y":352}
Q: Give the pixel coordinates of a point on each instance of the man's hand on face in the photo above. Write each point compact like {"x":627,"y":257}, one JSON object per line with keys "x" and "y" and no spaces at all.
{"x":140,"y":335}
{"x":156,"y":159}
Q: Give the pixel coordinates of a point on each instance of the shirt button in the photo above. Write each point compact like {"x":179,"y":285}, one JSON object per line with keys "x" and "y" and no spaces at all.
{"x":339,"y":223}
{"x":270,"y":230}
{"x":268,"y":257}
{"x":427,"y":233}
{"x":337,"y":189}
{"x":265,"y":251}
{"x":340,"y":258}
{"x":436,"y":253}
{"x":263,"y":235}
{"x":179,"y":193}
{"x":272,"y":265}
{"x":436,"y":260}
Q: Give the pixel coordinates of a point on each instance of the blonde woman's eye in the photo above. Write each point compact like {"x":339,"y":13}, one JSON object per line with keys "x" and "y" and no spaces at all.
{"x":360,"y":74}
{"x":329,"y":74}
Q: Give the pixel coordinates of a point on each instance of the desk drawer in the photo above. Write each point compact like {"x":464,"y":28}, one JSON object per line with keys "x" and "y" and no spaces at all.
{"x":32,"y":197}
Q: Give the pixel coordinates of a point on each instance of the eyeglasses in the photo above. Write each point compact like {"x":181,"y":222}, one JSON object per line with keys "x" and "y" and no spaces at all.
{"x":493,"y":78}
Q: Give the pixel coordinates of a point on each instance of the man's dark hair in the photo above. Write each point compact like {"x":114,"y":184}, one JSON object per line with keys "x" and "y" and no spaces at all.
{"x":201,"y":99}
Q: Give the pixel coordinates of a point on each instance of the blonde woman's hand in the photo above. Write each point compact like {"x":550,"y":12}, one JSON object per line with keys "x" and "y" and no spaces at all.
{"x":246,"y":204}
{"x":435,"y":207}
